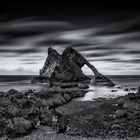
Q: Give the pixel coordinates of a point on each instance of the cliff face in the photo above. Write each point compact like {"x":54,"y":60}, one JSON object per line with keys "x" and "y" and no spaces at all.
{"x":59,"y":69}
{"x":67,"y":68}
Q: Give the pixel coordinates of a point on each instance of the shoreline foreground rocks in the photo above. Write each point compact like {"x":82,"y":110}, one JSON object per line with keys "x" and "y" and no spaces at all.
{"x":22,"y":112}
{"x":67,"y":68}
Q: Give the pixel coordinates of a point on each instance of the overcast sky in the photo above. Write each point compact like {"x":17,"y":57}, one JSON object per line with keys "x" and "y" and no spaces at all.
{"x":108,"y":40}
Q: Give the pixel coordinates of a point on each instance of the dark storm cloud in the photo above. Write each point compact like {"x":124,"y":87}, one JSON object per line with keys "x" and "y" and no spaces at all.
{"x":12,"y":31}
{"x":6,"y":42}
{"x":52,"y":42}
{"x":21,"y":51}
{"x":114,"y":40}
{"x":131,"y":24}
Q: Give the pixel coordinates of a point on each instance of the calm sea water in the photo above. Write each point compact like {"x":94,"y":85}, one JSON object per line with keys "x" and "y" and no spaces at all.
{"x":122,"y":82}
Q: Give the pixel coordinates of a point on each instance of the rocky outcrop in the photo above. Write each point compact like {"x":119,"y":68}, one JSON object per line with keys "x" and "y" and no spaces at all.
{"x":72,"y":55}
{"x":21,"y":112}
{"x":67,"y":68}
{"x":138,"y":90}
{"x":59,"y":69}
{"x":102,"y":80}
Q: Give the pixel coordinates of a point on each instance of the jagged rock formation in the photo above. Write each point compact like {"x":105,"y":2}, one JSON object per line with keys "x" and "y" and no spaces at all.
{"x":67,"y":68}
{"x":72,"y":55}
{"x":59,"y":69}
{"x":22,"y":112}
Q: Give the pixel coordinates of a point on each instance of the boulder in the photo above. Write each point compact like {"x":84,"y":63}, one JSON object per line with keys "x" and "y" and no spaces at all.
{"x":11,"y":92}
{"x":65,"y":85}
{"x":138,"y":89}
{"x":67,"y":97}
{"x":83,"y":85}
{"x":121,"y":101}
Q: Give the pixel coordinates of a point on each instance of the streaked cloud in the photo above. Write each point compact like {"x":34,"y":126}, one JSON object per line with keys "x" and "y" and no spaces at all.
{"x":112,"y":44}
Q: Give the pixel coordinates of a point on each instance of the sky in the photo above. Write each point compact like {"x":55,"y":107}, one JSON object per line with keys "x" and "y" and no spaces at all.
{"x":108,"y":37}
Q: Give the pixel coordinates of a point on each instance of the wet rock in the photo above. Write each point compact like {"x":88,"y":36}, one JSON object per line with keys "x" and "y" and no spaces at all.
{"x":83,"y":85}
{"x":67,"y":97}
{"x":113,"y":90}
{"x":103,"y":81}
{"x":126,"y":89}
{"x":11,"y":92}
{"x":133,"y":88}
{"x":65,"y":85}
{"x":79,"y":93}
{"x":138,"y":89}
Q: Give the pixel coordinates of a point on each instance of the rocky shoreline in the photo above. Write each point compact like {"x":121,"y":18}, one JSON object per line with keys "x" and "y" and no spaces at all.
{"x":22,"y":113}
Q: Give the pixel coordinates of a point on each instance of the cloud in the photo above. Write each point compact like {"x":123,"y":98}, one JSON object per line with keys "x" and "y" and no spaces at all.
{"x":20,"y":51}
{"x":112,"y":45}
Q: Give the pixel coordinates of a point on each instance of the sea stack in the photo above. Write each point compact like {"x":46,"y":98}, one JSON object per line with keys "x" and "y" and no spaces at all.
{"x":59,"y":69}
{"x":67,"y":68}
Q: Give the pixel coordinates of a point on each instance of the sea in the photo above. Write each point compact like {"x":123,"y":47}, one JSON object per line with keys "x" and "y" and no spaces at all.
{"x":124,"y":84}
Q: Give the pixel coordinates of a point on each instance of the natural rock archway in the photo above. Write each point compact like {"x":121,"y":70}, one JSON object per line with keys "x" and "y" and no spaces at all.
{"x":67,"y":68}
{"x":72,"y":55}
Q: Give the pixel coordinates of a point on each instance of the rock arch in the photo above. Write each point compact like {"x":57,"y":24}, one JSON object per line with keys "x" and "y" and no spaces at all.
{"x":67,"y":68}
{"x":72,"y":55}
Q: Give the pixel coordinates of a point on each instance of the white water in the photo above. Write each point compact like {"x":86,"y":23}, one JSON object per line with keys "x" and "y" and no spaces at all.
{"x":104,"y":92}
